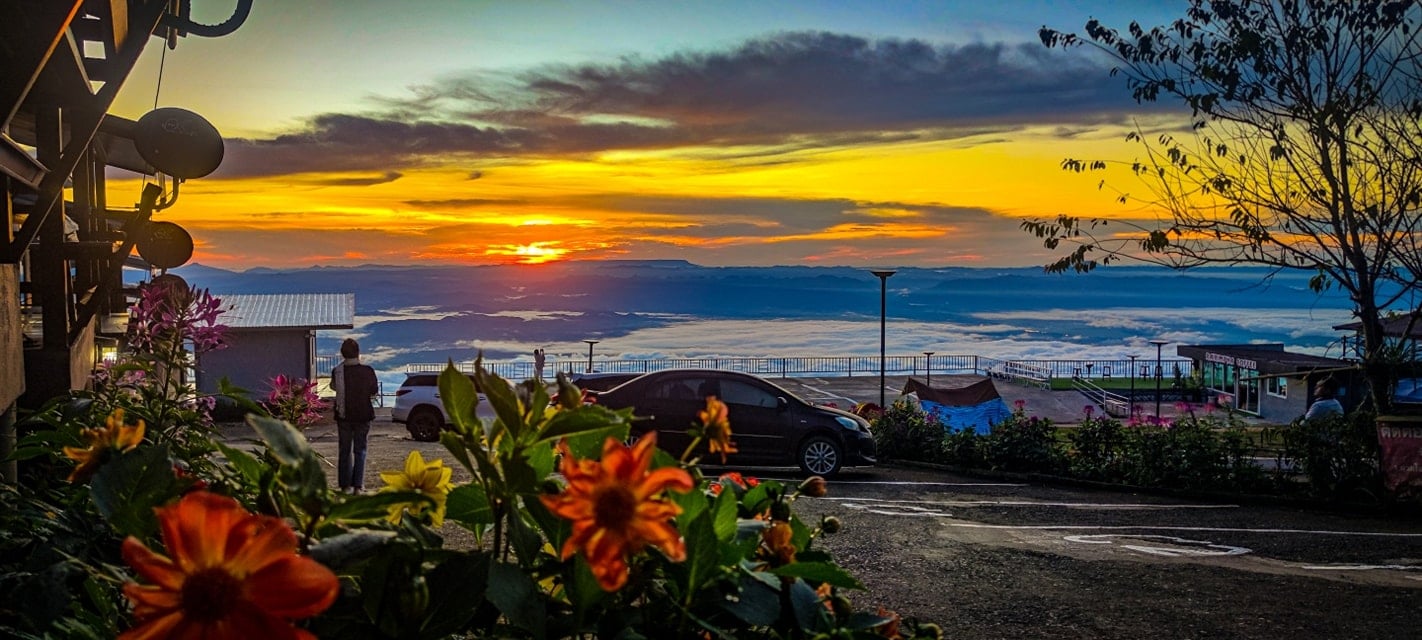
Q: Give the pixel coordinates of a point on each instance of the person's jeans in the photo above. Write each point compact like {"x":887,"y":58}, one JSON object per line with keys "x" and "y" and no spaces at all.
{"x":351,"y":439}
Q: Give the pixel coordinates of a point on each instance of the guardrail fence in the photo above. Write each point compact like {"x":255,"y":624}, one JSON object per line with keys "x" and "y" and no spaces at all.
{"x":839,"y":366}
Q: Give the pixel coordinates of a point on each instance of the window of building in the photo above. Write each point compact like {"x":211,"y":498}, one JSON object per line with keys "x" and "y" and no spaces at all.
{"x":1277,"y":386}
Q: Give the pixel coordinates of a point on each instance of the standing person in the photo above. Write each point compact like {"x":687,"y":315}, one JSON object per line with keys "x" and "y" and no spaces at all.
{"x":538,"y":361}
{"x":355,"y":386}
{"x":1326,"y":403}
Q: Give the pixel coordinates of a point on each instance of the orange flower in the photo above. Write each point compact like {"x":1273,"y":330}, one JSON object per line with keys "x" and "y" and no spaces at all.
{"x":716,"y":424}
{"x":614,"y":510}
{"x":776,"y":543}
{"x":888,"y":629}
{"x":114,"y":436}
{"x":232,"y":574}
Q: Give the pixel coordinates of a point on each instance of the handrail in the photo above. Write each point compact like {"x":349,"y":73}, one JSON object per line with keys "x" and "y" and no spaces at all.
{"x":1112,"y":403}
{"x":809,"y":366}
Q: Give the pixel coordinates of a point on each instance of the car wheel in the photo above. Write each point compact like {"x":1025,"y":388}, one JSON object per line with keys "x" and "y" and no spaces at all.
{"x":425,"y":424}
{"x":820,"y":456}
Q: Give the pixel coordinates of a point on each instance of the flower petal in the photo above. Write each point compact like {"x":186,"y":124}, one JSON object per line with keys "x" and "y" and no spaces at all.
{"x":154,"y":567}
{"x":293,"y":587}
{"x":197,"y":528}
{"x":270,"y":541}
{"x":155,"y":629}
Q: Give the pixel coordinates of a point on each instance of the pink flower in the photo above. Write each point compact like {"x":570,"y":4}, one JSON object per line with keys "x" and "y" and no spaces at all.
{"x":294,"y":400}
{"x":1019,"y":405}
{"x":168,"y":316}
{"x":1182,"y":407}
{"x":1088,"y":410}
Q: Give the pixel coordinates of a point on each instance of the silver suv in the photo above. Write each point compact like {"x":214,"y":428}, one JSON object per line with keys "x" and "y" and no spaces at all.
{"x":418,"y":407}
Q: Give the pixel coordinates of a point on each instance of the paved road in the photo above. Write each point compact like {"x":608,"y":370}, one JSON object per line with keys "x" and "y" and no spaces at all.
{"x":990,"y":558}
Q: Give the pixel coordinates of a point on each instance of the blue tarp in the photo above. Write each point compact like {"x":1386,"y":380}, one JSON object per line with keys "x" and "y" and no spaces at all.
{"x":976,"y":406}
{"x":979,"y":417}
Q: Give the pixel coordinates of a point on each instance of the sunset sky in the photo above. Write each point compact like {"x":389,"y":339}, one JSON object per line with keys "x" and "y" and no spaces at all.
{"x":725,"y":133}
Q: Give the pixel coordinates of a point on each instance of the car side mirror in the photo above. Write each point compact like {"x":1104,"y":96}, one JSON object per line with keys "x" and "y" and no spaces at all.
{"x":781,"y":404}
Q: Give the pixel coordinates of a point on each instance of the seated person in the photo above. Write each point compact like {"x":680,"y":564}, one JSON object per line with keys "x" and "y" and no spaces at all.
{"x":1326,"y":403}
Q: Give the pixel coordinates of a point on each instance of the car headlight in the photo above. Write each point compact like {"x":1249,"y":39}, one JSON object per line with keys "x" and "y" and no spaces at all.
{"x":847,"y":423}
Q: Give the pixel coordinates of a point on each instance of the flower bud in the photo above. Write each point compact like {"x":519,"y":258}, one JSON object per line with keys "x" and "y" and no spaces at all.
{"x":930,"y":630}
{"x":814,"y":486}
{"x":831,"y":524}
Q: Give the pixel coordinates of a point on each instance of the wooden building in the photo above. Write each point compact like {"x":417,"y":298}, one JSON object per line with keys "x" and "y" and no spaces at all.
{"x":270,"y":335}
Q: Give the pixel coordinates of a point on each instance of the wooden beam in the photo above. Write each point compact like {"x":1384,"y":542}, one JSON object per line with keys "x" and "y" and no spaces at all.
{"x":52,"y":187}
{"x":29,"y":35}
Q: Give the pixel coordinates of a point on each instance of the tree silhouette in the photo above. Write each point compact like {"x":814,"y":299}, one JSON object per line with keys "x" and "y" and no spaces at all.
{"x":1304,"y":152}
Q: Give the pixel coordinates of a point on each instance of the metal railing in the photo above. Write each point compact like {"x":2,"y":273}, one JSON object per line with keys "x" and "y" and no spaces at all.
{"x":828,"y":366}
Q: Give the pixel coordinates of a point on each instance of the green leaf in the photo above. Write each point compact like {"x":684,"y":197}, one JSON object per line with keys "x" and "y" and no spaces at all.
{"x":692,"y":504}
{"x":819,"y":572}
{"x":703,"y":552}
{"x":758,"y":604}
{"x":456,"y":392}
{"x":521,"y":476}
{"x":127,"y":488}
{"x":347,"y":548}
{"x":554,"y":528}
{"x":457,"y":587}
{"x":525,"y":540}
{"x":584,"y":591}
{"x":725,"y":515}
{"x":569,"y":423}
{"x":454,"y":443}
{"x":800,"y":535}
{"x":515,"y":593}
{"x":245,"y":463}
{"x":756,"y":498}
{"x":810,"y":613}
{"x":284,"y":440}
{"x":588,"y":444}
{"x":240,"y":397}
{"x":376,"y":506}
{"x":540,"y":459}
{"x":468,"y":506}
{"x":502,"y":398}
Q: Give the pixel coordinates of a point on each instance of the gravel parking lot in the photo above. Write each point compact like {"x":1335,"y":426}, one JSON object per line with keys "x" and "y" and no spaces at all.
{"x":999,"y":558}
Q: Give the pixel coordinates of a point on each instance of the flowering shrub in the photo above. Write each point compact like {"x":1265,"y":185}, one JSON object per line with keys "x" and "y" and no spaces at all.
{"x":904,"y":432}
{"x":294,"y":400}
{"x":1022,"y":443}
{"x":1338,"y":454}
{"x":179,"y":532}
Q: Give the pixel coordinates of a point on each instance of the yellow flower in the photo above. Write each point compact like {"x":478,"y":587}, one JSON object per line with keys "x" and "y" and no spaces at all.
{"x":429,"y":478}
{"x":614,"y":509}
{"x":716,"y":425}
{"x":102,"y":443}
{"x":231,"y":574}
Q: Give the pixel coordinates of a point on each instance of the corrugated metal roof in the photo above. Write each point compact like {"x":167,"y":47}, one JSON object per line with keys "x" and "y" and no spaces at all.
{"x":289,"y":310}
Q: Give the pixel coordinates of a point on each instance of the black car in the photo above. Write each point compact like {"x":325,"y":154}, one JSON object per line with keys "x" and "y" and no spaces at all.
{"x":769,"y":425}
{"x":599,"y":381}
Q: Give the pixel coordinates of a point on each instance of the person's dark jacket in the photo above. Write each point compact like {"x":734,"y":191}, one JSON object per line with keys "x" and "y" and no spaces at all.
{"x":359,"y":386}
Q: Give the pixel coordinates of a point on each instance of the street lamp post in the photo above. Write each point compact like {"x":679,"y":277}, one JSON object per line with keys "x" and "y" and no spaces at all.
{"x":883,"y":275}
{"x":928,"y":366}
{"x":1132,"y":375}
{"x":590,"y":346}
{"x":1158,"y":344}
